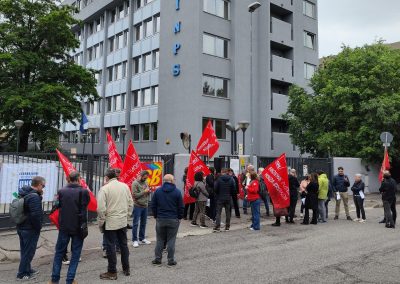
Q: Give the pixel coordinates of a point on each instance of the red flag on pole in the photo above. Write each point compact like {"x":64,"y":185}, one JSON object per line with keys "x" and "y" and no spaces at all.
{"x":195,"y":165}
{"x":132,"y":166}
{"x":385,"y":165}
{"x":276,"y":178}
{"x":113,"y":156}
{"x":68,"y":168}
{"x":208,"y":144}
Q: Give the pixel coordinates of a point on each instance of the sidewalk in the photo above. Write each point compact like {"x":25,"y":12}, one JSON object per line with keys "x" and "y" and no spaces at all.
{"x":9,"y":241}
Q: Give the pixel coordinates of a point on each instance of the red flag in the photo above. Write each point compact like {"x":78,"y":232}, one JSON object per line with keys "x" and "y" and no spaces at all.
{"x":132,"y":166}
{"x":68,"y":168}
{"x":113,"y":156}
{"x":195,"y":165}
{"x":385,"y":165}
{"x":276,"y":178}
{"x":208,"y":144}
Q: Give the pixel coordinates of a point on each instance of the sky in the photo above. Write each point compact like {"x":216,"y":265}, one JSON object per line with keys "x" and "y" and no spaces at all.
{"x":356,"y":22}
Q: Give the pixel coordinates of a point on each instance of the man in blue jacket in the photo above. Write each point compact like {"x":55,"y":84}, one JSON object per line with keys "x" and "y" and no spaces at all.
{"x":340,"y":186}
{"x":167,"y":206}
{"x":29,"y":230}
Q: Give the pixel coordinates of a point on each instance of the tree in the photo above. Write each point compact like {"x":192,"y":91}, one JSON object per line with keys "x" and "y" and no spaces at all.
{"x":356,"y":96}
{"x":39,"y":82}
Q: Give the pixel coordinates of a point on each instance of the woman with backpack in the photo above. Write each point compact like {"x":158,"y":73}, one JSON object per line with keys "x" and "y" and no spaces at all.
{"x":200,"y":187}
{"x":253,"y":197}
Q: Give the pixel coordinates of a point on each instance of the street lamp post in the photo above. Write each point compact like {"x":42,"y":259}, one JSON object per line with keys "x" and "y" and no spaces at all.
{"x":233,"y":131}
{"x":84,"y":135}
{"x":18,"y":124}
{"x":251,"y":8}
{"x":92,"y":132}
{"x":244,"y":125}
{"x":124,"y":131}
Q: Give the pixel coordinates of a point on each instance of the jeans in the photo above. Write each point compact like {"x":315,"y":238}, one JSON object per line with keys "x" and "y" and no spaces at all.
{"x":113,"y":237}
{"x":359,"y":202}
{"x":139,"y":213}
{"x":266,"y":205}
{"x":345,"y":197}
{"x":166,"y":231}
{"x":236,"y":205}
{"x":227,"y":205}
{"x":322,"y":209}
{"x":189,"y":207}
{"x":200,"y":210}
{"x":61,"y":247}
{"x":255,"y":214}
{"x":28,"y":240}
{"x":389,"y":207}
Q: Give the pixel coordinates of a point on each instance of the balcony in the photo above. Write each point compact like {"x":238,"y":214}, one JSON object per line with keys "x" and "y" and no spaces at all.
{"x":281,"y":32}
{"x":285,"y":4}
{"x":281,"y":143}
{"x":281,"y":69}
{"x":279,"y":104}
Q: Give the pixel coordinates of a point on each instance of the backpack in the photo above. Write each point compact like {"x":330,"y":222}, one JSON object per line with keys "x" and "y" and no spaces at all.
{"x":262,"y":190}
{"x":17,"y":213}
{"x":194,"y":191}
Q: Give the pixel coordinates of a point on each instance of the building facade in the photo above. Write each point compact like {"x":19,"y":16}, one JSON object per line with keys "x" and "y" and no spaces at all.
{"x":167,"y":67}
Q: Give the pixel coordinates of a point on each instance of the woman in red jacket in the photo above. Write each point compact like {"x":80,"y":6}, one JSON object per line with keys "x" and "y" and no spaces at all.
{"x":254,"y":198}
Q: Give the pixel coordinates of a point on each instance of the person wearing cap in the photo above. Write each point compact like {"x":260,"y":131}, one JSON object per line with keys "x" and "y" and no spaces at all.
{"x":140,"y":195}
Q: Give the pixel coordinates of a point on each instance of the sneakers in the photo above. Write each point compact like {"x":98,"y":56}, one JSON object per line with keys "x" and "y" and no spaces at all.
{"x":193,"y":224}
{"x":34,"y":272}
{"x":226,"y":229}
{"x":275,"y":225}
{"x":203,"y":226}
{"x":216,"y":230}
{"x":301,"y":215}
{"x":26,"y":278}
{"x":356,"y":220}
{"x":172,"y":263}
{"x":109,"y":276}
{"x":252,"y":229}
{"x":156,"y":262}
{"x":362,"y":221}
{"x":135,"y":244}
{"x":127,"y":272}
{"x":65,"y":260}
{"x":145,"y":242}
{"x":349,"y":218}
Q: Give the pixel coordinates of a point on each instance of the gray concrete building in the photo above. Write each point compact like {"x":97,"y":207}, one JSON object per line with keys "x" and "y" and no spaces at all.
{"x":168,"y":66}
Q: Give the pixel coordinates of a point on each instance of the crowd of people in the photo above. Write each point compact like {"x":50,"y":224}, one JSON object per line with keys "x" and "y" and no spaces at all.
{"x":215,"y":192}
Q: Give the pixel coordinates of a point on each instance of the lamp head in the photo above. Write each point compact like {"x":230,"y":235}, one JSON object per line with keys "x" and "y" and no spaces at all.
{"x":124,"y":131}
{"x":244,"y":125}
{"x":254,"y":6}
{"x":93,"y":130}
{"x":18,"y":123}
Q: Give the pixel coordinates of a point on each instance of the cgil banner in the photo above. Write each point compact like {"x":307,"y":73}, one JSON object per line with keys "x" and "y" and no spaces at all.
{"x":15,"y":176}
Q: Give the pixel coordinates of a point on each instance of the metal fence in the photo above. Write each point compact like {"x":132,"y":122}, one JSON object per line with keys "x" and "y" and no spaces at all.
{"x":91,"y":167}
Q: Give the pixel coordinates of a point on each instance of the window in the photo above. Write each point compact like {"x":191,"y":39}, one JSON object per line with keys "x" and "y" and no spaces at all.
{"x":108,"y":104}
{"x":111,"y":43}
{"x":155,"y":94}
{"x":90,"y":54}
{"x":113,"y":15}
{"x":119,"y":41}
{"x":123,"y":101}
{"x":98,"y":50}
{"x":146,"y":97}
{"x":219,"y":126}
{"x":136,"y":133}
{"x":110,"y":74}
{"x":147,"y":1}
{"x":121,"y":13}
{"x":156,"y":59}
{"x":154,"y":129}
{"x":148,"y":28}
{"x":118,"y":71}
{"x":309,"y":40}
{"x":90,"y":28}
{"x":135,"y":99}
{"x":126,"y":8}
{"x":124,"y":69}
{"x":98,"y":76}
{"x":138,"y":4}
{"x":309,"y":9}
{"x":99,"y":24}
{"x":220,"y":8}
{"x":146,"y":132}
{"x":309,"y":70}
{"x":96,"y":107}
{"x":147,"y":66}
{"x":138,"y":32}
{"x":214,"y":86}
{"x":156,"y":23}
{"x":215,"y":46}
{"x":117,"y":103}
{"x":137,"y":65}
{"x":279,"y":125}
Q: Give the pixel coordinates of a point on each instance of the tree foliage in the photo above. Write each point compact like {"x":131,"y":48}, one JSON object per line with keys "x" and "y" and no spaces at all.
{"x":39,"y":82}
{"x":356,"y":96}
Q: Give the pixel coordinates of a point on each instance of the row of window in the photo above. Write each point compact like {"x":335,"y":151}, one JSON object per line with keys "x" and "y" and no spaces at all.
{"x":220,"y":8}
{"x":215,"y":86}
{"x":309,"y":9}
{"x":146,"y":62}
{"x":145,"y":97}
{"x":141,"y":3}
{"x":95,"y":52}
{"x":118,"y":41}
{"x":80,"y":4}
{"x":309,"y":40}
{"x":118,"y":71}
{"x":218,"y":124}
{"x":116,"y":103}
{"x":148,"y":27}
{"x":214,"y":45}
{"x":119,"y":12}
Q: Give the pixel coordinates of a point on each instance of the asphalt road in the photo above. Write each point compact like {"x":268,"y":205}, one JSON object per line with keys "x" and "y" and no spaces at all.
{"x":336,"y":252}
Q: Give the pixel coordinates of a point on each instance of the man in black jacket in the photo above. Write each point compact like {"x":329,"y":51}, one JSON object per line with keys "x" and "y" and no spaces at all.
{"x":29,"y":230}
{"x":234,"y":196}
{"x":293,"y":191}
{"x":72,"y":202}
{"x":224,"y":189}
{"x":388,"y":191}
{"x":210,"y":179}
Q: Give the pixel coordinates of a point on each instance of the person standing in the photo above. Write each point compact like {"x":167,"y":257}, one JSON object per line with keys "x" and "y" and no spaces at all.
{"x":340,"y":186}
{"x":323,"y":187}
{"x":264,"y":200}
{"x":303,"y":193}
{"x":140,"y":194}
{"x":167,"y":206}
{"x":29,"y":230}
{"x":358,"y":198}
{"x":224,"y":189}
{"x":311,"y":200}
{"x":293,"y":192}
{"x":201,"y":201}
{"x":114,"y":202}
{"x":253,"y":197}
{"x":235,"y":195}
{"x":72,"y":203}
{"x":245,"y":182}
{"x":210,"y":180}
{"x":388,"y":190}
{"x":190,"y":206}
